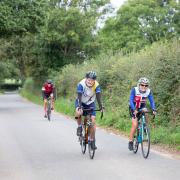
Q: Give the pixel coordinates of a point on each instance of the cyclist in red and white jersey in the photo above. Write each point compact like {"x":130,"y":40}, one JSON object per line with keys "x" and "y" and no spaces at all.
{"x":137,"y":101}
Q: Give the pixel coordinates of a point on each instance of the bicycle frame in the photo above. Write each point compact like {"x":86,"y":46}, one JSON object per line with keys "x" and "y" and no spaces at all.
{"x":143,"y":134}
{"x":141,"y":123}
{"x":87,"y":124}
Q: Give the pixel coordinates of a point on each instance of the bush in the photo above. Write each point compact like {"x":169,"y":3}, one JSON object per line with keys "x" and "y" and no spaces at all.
{"x":117,"y":74}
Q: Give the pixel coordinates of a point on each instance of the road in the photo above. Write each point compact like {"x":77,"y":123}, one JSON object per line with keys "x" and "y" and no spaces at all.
{"x":31,"y":148}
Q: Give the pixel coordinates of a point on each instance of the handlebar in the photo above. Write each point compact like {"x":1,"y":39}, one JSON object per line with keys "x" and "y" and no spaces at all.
{"x":91,"y":109}
{"x":145,"y":110}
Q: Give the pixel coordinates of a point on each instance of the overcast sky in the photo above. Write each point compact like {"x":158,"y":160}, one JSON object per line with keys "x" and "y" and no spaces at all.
{"x":117,"y":3}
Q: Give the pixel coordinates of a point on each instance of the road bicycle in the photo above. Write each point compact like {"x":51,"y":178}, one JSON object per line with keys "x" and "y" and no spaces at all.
{"x":84,"y":138}
{"x":142,"y":135}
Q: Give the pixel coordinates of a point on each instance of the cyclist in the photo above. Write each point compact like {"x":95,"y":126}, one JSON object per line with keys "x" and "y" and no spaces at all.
{"x":48,"y":90}
{"x":88,"y":91}
{"x":137,"y":100}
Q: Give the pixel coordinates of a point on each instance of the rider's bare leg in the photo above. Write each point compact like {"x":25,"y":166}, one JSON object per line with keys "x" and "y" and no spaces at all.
{"x":52,"y":101}
{"x":78,"y":117}
{"x":133,"y":128}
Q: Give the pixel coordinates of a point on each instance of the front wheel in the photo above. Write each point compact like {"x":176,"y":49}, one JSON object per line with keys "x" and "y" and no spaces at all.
{"x":49,"y":111}
{"x":83,"y":140}
{"x":91,"y":150}
{"x":145,"y":145}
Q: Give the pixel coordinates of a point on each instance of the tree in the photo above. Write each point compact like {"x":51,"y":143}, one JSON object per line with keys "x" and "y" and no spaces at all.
{"x":139,"y":23}
{"x":17,"y":19}
{"x":21,"y":16}
{"x":69,"y":33}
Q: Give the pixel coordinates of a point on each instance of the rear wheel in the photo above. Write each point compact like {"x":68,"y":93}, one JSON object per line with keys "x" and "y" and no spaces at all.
{"x":135,"y":143}
{"x":91,"y":147}
{"x":145,"y":145}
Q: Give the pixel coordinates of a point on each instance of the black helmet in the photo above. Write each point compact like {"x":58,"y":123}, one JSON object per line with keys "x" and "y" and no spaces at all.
{"x":49,"y":81}
{"x":91,"y":75}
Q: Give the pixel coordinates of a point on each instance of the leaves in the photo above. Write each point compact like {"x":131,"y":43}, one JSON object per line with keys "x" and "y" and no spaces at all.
{"x":140,"y":23}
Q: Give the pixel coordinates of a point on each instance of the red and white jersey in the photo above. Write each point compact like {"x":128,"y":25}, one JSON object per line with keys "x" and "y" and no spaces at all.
{"x":140,"y":98}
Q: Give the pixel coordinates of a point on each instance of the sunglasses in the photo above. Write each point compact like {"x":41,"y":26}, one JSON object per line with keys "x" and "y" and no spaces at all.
{"x":144,"y":85}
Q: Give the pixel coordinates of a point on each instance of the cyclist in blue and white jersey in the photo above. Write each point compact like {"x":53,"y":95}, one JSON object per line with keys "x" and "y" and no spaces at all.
{"x":137,"y":100}
{"x":88,"y":91}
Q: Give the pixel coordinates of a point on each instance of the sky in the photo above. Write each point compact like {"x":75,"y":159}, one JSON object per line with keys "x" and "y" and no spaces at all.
{"x":117,"y":3}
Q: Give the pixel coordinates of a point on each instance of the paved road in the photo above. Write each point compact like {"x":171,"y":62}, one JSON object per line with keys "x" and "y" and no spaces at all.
{"x":31,"y":148}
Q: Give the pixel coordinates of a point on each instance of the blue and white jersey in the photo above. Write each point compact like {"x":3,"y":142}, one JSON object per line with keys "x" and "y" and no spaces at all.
{"x":138,"y":100}
{"x":88,"y":93}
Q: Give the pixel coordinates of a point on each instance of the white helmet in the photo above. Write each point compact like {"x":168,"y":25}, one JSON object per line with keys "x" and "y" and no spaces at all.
{"x":143,"y":80}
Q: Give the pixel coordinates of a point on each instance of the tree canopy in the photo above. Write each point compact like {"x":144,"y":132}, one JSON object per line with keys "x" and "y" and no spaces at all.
{"x":139,"y":23}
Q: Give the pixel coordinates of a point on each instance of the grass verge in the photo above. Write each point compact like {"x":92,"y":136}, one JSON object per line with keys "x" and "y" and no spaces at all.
{"x":160,"y":135}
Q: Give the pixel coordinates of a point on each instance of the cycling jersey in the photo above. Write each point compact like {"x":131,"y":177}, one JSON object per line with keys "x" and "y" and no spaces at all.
{"x":138,"y":100}
{"x":88,"y":93}
{"x":48,"y":88}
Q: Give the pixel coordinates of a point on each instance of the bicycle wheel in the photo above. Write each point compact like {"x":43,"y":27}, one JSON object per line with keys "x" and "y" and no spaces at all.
{"x":135,"y":143}
{"x":83,"y":140}
{"x":49,"y":111}
{"x":145,"y":145}
{"x":91,"y":151}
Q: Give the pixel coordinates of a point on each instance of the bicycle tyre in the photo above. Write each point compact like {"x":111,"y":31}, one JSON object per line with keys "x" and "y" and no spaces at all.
{"x":83,"y":140}
{"x":145,"y":145}
{"x":49,"y":111}
{"x":135,"y":143}
{"x":91,"y":151}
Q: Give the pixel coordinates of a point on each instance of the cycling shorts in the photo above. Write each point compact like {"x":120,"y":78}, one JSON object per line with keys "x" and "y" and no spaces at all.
{"x":46,"y":95}
{"x":85,"y":106}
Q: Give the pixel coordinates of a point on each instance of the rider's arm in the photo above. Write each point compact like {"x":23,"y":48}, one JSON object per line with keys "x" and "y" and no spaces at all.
{"x":43,"y":88}
{"x":80,"y":100}
{"x":54,"y":92}
{"x":42,"y":91}
{"x":79,"y":93}
{"x":131,"y":99}
{"x":98,"y":97}
{"x":151,"y":100}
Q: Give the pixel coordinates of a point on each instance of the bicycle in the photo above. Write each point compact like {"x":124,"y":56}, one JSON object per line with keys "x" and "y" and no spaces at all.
{"x":83,"y":139}
{"x":142,"y":135}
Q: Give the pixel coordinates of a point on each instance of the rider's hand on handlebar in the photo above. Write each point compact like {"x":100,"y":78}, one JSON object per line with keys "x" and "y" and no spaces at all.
{"x":102,"y":108}
{"x":154,"y":113}
{"x":79,"y":110}
{"x":135,"y":112}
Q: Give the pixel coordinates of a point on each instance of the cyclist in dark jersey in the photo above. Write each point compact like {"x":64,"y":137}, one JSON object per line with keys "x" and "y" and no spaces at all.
{"x":48,"y":90}
{"x":137,"y":101}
